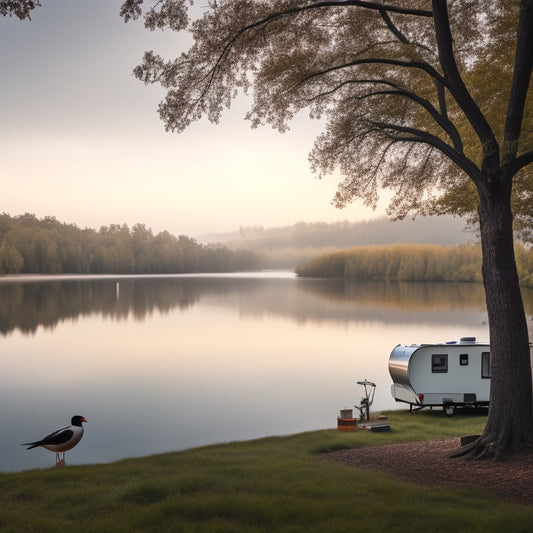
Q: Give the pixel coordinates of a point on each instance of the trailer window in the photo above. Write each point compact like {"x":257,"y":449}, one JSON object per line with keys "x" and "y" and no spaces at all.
{"x":463,"y":359}
{"x":485,"y":365}
{"x":439,"y":363}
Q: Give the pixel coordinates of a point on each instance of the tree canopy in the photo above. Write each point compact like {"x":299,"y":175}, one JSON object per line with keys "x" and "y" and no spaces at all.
{"x":373,"y":71}
{"x":18,"y":8}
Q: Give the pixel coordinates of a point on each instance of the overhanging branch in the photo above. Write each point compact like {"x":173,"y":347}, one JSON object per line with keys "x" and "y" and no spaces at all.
{"x":417,"y":135}
{"x":443,"y":122}
{"x":379,"y":61}
{"x":300,"y":9}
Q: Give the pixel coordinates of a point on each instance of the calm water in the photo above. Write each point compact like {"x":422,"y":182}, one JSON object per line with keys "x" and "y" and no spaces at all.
{"x":171,"y":362}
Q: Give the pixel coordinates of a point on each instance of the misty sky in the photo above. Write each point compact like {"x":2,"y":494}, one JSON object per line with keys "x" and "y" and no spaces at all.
{"x":82,"y":141}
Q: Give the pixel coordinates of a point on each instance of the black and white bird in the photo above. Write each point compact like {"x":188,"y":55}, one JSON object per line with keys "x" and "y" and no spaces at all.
{"x":62,"y":439}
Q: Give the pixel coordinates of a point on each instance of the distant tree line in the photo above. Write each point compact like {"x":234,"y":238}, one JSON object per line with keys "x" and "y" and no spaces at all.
{"x":445,"y":230}
{"x":410,"y":262}
{"x":47,"y":246}
{"x":289,"y":246}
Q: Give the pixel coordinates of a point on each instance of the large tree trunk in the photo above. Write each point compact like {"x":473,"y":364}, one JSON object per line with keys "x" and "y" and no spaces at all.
{"x":510,"y":422}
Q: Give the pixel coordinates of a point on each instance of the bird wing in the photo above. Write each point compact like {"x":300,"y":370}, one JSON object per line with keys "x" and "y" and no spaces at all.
{"x":59,"y":436}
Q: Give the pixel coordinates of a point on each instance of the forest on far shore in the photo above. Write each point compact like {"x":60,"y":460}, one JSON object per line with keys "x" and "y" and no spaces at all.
{"x":29,"y":245}
{"x":411,"y":262}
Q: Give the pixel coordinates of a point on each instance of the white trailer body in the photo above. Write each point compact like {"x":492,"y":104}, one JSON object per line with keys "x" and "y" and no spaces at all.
{"x":449,"y":374}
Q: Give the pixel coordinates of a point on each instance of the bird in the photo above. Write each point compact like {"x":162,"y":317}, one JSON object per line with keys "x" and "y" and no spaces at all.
{"x":62,"y":439}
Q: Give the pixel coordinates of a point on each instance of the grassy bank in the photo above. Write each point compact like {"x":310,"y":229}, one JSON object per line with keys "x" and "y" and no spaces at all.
{"x":274,"y":484}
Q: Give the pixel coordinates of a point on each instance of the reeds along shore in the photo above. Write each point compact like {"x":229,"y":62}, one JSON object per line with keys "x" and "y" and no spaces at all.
{"x":411,"y":262}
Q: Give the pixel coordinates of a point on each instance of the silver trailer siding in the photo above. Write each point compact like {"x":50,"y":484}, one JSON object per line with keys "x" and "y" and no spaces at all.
{"x":447,"y":374}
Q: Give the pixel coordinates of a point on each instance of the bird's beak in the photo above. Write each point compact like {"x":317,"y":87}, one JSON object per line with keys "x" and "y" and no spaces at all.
{"x":83,"y":419}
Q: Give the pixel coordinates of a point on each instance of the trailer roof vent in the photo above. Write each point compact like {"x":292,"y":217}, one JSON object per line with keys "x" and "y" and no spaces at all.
{"x":468,"y":340}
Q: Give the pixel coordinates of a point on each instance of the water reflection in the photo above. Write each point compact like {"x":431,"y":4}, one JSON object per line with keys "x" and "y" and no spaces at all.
{"x":170,"y":362}
{"x":26,"y":305}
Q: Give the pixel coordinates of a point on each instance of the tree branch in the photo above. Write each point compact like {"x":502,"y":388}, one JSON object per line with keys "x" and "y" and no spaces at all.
{"x":392,"y":27}
{"x":380,"y":61}
{"x":520,"y":162}
{"x":300,"y":9}
{"x":521,"y":80}
{"x":456,"y":86}
{"x":417,"y":135}
{"x":443,"y":122}
{"x":442,"y":99}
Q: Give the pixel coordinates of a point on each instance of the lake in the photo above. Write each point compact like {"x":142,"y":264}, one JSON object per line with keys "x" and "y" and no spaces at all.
{"x":164,"y":363}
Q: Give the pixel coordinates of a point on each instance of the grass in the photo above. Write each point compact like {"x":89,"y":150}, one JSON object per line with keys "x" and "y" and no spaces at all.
{"x":274,"y":484}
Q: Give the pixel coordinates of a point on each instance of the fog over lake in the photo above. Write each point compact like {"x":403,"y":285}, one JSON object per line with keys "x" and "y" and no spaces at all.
{"x":164,"y":363}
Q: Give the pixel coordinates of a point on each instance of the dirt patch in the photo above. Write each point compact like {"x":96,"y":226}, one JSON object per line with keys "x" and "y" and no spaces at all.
{"x":429,"y":463}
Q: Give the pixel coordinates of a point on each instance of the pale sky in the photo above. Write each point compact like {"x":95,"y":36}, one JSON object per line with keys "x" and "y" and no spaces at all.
{"x":82,"y":141}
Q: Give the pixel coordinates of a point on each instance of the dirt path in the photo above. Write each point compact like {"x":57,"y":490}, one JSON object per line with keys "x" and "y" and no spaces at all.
{"x":428,"y":463}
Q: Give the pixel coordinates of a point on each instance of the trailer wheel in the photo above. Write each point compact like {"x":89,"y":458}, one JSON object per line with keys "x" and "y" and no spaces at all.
{"x":449,"y":409}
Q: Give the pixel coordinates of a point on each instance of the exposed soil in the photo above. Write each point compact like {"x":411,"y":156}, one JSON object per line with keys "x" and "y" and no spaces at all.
{"x":429,"y":463}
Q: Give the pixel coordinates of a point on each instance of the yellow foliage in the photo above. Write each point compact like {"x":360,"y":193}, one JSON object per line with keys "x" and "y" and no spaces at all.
{"x":410,"y":262}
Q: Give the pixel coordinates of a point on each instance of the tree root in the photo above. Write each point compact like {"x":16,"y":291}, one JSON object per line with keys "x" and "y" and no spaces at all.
{"x":484,"y":449}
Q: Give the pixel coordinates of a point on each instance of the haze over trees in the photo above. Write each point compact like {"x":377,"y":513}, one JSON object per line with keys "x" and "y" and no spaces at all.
{"x":289,"y":246}
{"x":437,"y":230}
{"x":423,"y":98}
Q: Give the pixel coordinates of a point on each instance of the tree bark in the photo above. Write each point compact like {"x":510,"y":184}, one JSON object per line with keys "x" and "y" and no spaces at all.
{"x":509,"y":426}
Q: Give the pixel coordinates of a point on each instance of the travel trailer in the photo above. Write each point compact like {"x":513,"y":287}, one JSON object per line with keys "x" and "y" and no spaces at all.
{"x":450,"y":375}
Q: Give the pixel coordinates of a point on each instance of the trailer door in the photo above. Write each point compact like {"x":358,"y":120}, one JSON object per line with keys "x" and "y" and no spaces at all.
{"x":485,"y":365}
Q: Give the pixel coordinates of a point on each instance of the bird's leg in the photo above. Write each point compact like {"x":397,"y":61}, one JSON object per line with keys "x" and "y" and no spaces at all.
{"x":60,"y":458}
